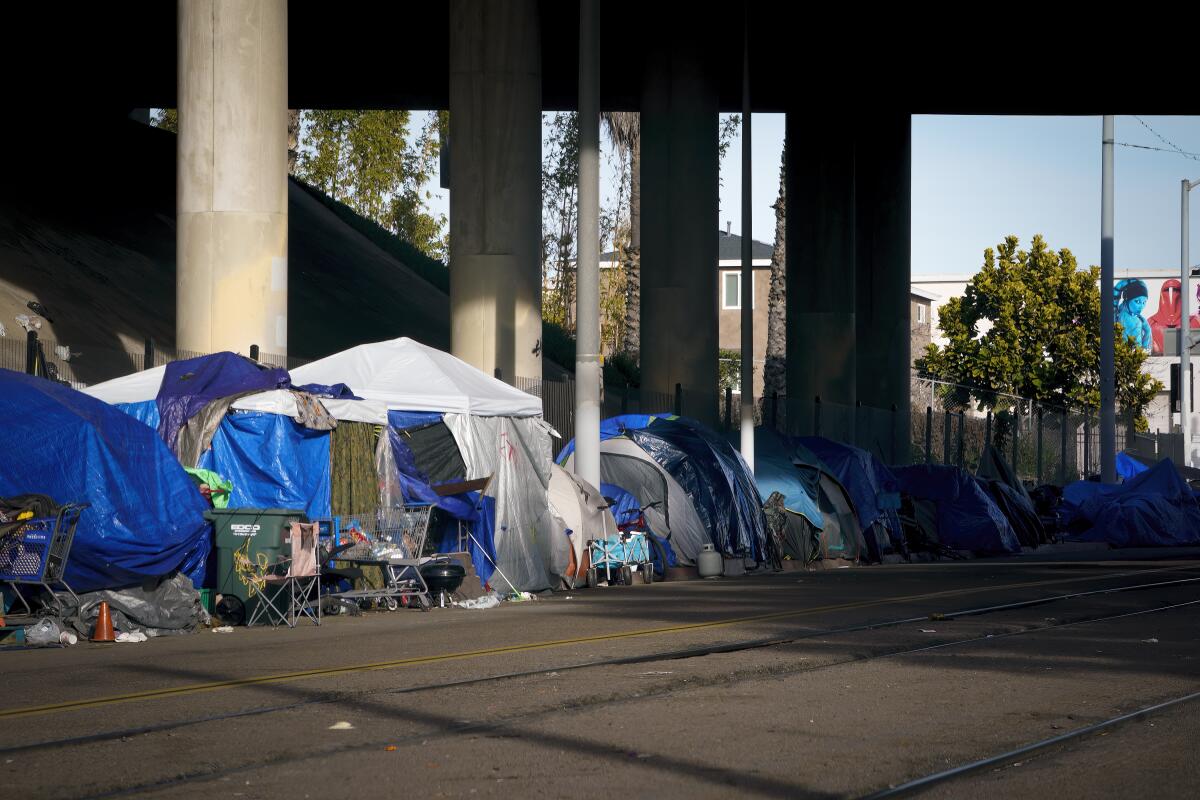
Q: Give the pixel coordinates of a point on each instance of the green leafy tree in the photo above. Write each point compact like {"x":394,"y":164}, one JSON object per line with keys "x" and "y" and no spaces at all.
{"x":370,"y":161}
{"x":1029,"y":325}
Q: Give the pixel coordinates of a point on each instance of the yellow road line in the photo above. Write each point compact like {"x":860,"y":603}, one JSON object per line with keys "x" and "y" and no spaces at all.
{"x":259,"y":680}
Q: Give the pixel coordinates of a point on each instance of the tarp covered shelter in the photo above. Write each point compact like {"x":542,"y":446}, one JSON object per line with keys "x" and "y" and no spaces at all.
{"x":873,"y":490}
{"x":1155,"y":508}
{"x":997,"y":478}
{"x":821,"y":520}
{"x":145,"y":517}
{"x":966,"y":518}
{"x":496,"y":429}
{"x":718,"y":485}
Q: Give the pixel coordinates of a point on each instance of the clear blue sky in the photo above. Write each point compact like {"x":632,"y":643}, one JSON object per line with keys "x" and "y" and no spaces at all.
{"x":977,"y":179}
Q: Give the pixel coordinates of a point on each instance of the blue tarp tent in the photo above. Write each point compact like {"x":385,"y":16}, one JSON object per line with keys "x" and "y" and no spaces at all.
{"x":717,"y":481}
{"x":1155,"y":508}
{"x":188,"y":385}
{"x":145,"y":517}
{"x":273,"y":462}
{"x":872,"y":487}
{"x":967,"y":519}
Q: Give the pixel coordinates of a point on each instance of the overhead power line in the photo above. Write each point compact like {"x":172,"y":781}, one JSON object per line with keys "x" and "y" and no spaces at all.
{"x":1165,"y":141}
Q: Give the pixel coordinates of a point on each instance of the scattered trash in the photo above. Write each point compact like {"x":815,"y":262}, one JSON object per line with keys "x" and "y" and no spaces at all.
{"x":341,"y":726}
{"x":1150,"y":641}
{"x":391,"y":748}
{"x":67,"y":638}
{"x":928,"y":630}
{"x":569,"y":597}
{"x":656,"y":672}
{"x":937,"y":617}
{"x":486,"y":601}
{"x":521,"y":597}
{"x":223,"y":629}
{"x":844,"y":566}
{"x":42,"y":633}
{"x":131,"y":636}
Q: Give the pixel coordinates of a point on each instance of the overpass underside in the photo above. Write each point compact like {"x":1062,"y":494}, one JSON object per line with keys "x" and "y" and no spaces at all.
{"x":240,"y":64}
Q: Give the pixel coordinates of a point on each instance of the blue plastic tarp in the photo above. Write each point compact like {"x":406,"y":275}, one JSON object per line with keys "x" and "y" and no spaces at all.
{"x":776,"y":470}
{"x":191,"y":384}
{"x":145,"y":412}
{"x":479,"y":514}
{"x":613,"y":427}
{"x":273,"y":462}
{"x":145,"y":518}
{"x":715,"y":478}
{"x":872,"y":486}
{"x":403,"y":420}
{"x":967,"y":518}
{"x":1155,"y":508}
{"x":1128,"y":466}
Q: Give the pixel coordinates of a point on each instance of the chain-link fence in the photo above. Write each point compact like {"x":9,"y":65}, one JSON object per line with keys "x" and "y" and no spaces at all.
{"x":945,"y":424}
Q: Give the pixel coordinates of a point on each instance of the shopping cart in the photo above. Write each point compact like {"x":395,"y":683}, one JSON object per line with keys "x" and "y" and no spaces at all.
{"x":391,"y":540}
{"x":34,"y":552}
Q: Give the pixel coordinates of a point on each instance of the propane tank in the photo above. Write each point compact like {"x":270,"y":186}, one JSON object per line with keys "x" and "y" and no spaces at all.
{"x":709,"y":562}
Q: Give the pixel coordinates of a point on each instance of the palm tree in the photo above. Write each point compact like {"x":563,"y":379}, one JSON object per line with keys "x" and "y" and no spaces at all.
{"x":625,"y":132}
{"x":774,"y":371}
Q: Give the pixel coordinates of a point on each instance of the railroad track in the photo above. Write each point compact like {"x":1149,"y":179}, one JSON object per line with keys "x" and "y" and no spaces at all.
{"x":665,"y":655}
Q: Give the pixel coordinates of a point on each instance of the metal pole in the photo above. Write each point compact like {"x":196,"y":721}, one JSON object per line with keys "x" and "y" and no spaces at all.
{"x":729,"y":409}
{"x":817,"y":416}
{"x":1087,"y":445}
{"x":679,"y":399}
{"x":947,"y":432}
{"x":962,"y":446}
{"x":1016,"y":432}
{"x":987,"y":431}
{"x":747,"y":258}
{"x":1062,"y":461}
{"x":1108,"y":384}
{"x":1040,"y":430}
{"x":31,"y":352}
{"x":254,"y":352}
{"x":587,"y":349}
{"x":1185,"y":325}
{"x":928,"y":434}
{"x":148,"y":353}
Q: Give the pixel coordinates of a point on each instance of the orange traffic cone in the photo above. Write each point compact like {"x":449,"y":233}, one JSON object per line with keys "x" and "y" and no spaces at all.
{"x":103,"y":631}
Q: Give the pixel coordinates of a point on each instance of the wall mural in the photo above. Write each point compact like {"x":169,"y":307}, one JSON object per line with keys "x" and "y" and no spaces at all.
{"x":1130,"y":297}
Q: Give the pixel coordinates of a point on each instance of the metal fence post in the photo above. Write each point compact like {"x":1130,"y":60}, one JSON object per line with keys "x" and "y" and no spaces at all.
{"x":1087,"y":446}
{"x":625,"y":398}
{"x":962,"y":421}
{"x":1016,"y":431}
{"x":946,"y":433}
{"x":987,"y":431}
{"x":1062,"y":461}
{"x":817,"y":415}
{"x":31,"y":352}
{"x":1040,"y":415}
{"x":148,"y":353}
{"x":254,"y":352}
{"x":928,"y":434}
{"x":679,"y":399}
{"x":728,"y":408}
{"x":499,"y":375}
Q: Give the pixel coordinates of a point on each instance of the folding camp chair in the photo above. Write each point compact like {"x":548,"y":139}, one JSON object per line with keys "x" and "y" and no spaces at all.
{"x":292,"y":586}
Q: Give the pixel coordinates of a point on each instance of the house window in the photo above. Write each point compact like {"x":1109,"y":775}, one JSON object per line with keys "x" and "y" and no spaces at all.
{"x":920,"y":313}
{"x":731,"y":290}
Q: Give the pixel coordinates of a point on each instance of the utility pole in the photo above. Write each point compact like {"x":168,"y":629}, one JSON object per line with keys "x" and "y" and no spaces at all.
{"x":1108,"y":384}
{"x":587,"y":355}
{"x":1185,"y":324}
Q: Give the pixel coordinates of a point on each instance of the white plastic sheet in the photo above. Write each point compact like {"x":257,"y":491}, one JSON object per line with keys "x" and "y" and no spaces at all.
{"x":517,"y":452}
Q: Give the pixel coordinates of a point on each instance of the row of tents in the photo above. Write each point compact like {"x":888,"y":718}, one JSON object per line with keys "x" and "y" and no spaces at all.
{"x":398,"y":422}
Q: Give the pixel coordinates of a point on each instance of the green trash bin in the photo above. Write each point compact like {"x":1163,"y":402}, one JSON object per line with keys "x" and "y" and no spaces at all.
{"x":259,"y":530}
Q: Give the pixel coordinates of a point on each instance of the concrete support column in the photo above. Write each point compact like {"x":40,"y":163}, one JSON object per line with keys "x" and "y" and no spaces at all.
{"x":821,"y":275}
{"x":495,"y":186}
{"x":680,"y":171}
{"x":231,"y":187}
{"x":883,"y":215}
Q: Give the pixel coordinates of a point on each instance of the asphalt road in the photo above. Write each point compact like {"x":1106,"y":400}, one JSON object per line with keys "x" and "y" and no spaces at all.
{"x":828,"y":684}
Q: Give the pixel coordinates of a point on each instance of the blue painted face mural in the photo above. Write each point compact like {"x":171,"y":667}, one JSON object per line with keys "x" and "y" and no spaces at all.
{"x":1129,"y":299}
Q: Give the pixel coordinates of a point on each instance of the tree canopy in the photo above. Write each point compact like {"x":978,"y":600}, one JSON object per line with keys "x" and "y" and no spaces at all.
{"x":1029,"y":325}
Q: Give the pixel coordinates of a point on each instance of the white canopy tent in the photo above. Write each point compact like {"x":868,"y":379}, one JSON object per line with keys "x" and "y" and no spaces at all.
{"x":583,"y":515}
